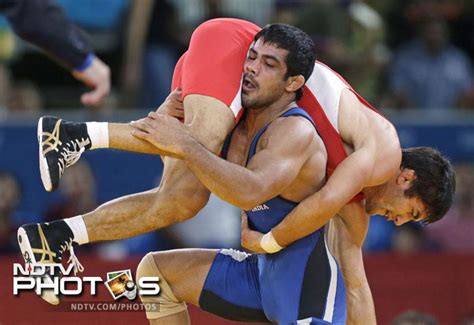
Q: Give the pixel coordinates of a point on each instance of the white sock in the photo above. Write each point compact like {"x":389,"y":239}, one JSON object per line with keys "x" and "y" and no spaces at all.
{"x":99,"y":134}
{"x":79,"y":229}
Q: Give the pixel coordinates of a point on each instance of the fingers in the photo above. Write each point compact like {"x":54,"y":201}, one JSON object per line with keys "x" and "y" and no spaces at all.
{"x":97,"y":76}
{"x":245,"y":222}
{"x":178,"y":113}
{"x":244,"y":230}
{"x":164,"y":118}
{"x":175,"y":112}
{"x":176,"y":100}
{"x":176,"y":95}
{"x":153,"y":122}
{"x":95,"y":97}
{"x":153,"y":115}
{"x":144,"y":124}
{"x":173,"y":105}
{"x":140,"y":134}
{"x":139,"y":125}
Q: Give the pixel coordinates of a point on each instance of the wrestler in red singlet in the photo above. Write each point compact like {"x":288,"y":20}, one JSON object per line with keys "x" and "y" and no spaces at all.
{"x":213,"y":66}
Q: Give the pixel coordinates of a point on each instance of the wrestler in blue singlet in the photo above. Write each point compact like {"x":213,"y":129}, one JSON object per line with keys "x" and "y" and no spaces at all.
{"x":301,"y":284}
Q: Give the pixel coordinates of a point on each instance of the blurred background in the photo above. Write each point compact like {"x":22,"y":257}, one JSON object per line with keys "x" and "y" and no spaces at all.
{"x":411,"y":59}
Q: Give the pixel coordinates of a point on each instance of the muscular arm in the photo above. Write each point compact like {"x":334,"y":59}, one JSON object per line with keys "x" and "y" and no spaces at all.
{"x":349,"y":178}
{"x":282,"y":153}
{"x":375,"y":159}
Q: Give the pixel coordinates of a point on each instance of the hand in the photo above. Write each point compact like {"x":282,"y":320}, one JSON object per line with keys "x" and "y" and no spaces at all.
{"x":250,"y":239}
{"x":164,"y":132}
{"x":173,"y":105}
{"x":96,"y":76}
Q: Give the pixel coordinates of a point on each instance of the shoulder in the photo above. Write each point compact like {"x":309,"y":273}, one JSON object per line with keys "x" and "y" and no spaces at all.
{"x":355,"y":114}
{"x":298,"y":127}
{"x":351,"y":111}
{"x":369,"y":132}
{"x":359,"y":125}
{"x":292,"y":132}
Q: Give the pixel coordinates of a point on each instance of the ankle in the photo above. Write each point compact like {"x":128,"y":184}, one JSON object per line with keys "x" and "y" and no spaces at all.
{"x":99,"y":134}
{"x":79,"y":229}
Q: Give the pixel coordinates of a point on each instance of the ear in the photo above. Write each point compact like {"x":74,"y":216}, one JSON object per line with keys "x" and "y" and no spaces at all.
{"x":405,"y":178}
{"x":294,"y":83}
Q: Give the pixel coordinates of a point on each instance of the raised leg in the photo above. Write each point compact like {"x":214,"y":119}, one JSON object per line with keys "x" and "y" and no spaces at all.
{"x":182,"y":274}
{"x":180,"y":195}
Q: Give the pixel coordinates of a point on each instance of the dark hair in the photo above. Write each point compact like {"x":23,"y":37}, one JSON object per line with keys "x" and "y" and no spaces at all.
{"x":435,"y":183}
{"x":414,"y":317}
{"x":300,"y":47}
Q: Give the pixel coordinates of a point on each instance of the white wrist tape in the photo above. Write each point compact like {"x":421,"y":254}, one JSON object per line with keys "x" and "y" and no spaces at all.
{"x":269,"y":244}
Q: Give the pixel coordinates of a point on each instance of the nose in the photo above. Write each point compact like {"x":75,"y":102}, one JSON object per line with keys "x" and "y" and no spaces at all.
{"x":251,"y":66}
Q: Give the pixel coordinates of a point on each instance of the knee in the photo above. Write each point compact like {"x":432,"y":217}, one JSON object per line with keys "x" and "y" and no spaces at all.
{"x":210,"y":120}
{"x":165,"y":303}
{"x":192,"y":204}
{"x":145,"y":267}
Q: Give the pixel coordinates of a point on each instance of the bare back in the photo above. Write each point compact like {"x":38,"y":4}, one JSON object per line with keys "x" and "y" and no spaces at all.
{"x":362,"y":128}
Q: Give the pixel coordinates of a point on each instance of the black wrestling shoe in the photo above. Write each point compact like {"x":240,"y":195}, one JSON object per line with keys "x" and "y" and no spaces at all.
{"x":45,"y":243}
{"x":60,"y":146}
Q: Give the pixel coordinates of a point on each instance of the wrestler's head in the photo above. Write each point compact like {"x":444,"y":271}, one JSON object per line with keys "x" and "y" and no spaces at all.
{"x":422,"y":190}
{"x":279,"y":62}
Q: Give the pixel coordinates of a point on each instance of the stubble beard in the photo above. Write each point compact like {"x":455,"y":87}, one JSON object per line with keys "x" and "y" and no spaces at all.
{"x":258,"y":102}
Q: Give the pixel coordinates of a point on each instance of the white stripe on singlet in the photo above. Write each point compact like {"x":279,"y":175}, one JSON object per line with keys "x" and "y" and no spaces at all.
{"x":331,"y":299}
{"x":236,"y":105}
{"x":304,"y":321}
{"x":326,"y":86}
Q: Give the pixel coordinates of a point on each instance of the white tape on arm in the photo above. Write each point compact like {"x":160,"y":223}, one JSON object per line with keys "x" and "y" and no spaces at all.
{"x":269,"y":244}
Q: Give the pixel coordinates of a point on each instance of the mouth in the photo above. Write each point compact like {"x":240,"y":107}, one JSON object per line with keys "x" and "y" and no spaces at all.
{"x":248,"y":84}
{"x":389,"y":216}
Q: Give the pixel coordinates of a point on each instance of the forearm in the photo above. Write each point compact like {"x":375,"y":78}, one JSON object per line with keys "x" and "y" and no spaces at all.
{"x":360,"y":306}
{"x":316,"y":210}
{"x":231,"y":182}
{"x":310,"y":215}
{"x":44,"y":23}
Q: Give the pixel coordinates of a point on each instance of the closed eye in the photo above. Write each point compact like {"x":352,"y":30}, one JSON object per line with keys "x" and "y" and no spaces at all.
{"x":416,"y":215}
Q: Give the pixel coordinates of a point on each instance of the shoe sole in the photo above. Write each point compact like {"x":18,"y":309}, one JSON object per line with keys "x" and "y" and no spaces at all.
{"x":43,"y":163}
{"x":25,"y":248}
